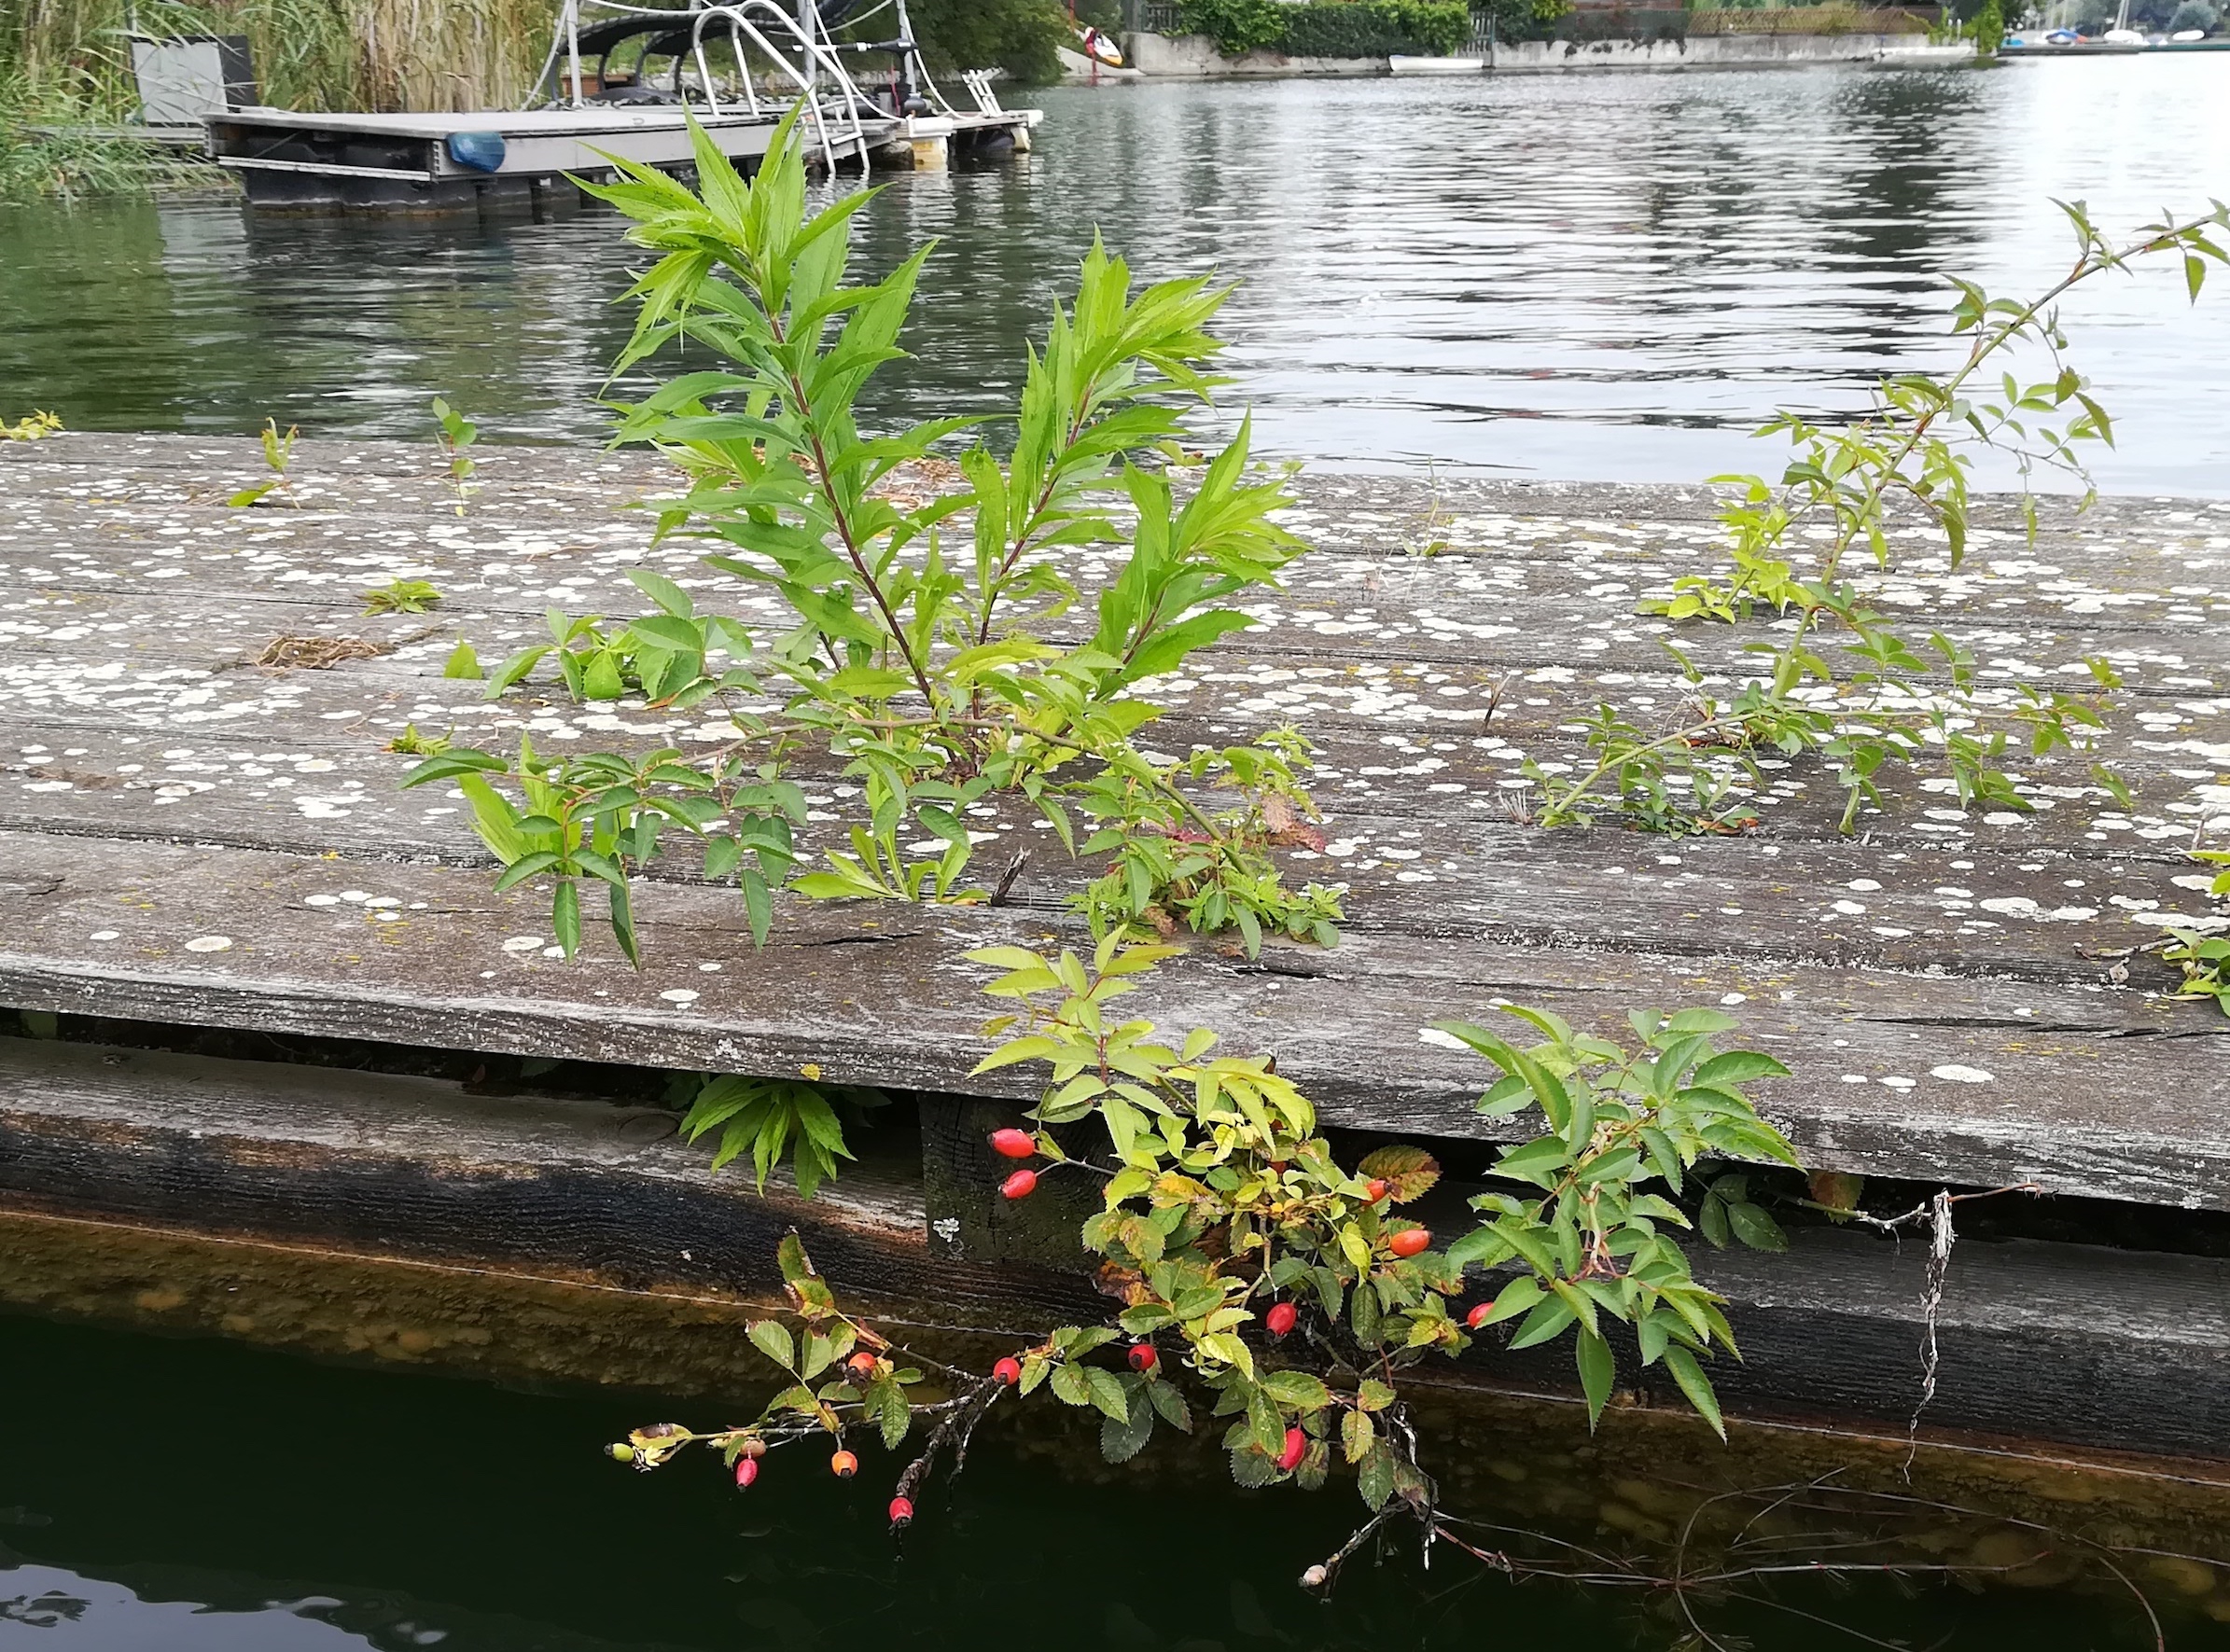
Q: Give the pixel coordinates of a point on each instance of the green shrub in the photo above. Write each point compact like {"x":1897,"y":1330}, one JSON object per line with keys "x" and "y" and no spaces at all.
{"x":1377,"y":28}
{"x":1332,"y":28}
{"x":2195,"y":14}
{"x":1986,"y":28}
{"x":1021,"y":37}
{"x":1236,"y":26}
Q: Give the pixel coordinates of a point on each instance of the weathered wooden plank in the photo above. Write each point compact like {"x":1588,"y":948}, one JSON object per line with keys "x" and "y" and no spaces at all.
{"x":525,"y":549}
{"x":2023,"y":911}
{"x":2171,"y":742}
{"x":2084,"y":1090}
{"x":419,"y":1167}
{"x":200,"y":722}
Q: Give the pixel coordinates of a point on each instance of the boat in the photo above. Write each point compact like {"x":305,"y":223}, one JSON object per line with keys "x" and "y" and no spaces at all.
{"x":2052,"y":46}
{"x":629,"y":80}
{"x":1436,"y":65}
{"x":1099,"y":47}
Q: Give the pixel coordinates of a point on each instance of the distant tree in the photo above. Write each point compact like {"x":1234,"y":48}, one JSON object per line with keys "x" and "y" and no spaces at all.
{"x":1021,"y":37}
{"x":2195,"y":14}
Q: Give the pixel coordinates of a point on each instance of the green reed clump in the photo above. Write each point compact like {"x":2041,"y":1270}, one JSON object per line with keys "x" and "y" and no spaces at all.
{"x":57,"y":151}
{"x":65,"y":72}
{"x":75,"y":55}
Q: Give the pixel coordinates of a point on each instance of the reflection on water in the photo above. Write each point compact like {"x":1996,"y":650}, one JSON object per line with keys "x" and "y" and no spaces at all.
{"x":1609,"y":276}
{"x":167,"y":1496}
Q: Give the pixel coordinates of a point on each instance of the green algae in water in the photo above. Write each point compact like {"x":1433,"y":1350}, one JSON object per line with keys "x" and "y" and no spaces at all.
{"x":190,"y":1495}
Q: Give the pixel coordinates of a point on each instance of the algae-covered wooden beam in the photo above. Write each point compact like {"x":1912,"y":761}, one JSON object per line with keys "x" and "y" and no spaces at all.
{"x":531,"y":1195}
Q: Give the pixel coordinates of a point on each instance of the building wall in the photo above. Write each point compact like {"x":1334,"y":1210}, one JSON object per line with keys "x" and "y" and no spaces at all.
{"x":1195,"y":57}
{"x":1722,"y":51}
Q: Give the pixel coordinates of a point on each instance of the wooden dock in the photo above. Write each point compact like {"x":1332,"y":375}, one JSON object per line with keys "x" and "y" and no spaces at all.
{"x":189,"y":838}
{"x":192,"y":837}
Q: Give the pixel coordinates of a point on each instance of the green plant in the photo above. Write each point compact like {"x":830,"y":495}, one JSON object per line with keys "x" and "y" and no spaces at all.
{"x":1331,"y":28}
{"x":1377,"y":28}
{"x":2205,"y":962}
{"x":30,"y":427}
{"x":867,"y":1392}
{"x":1225,"y":1196}
{"x":456,"y":436}
{"x":912,"y":659}
{"x":769,"y":1115}
{"x":1986,"y":28}
{"x":1259,"y":1275}
{"x":411,"y":743}
{"x":70,"y":60}
{"x":1840,"y":684}
{"x":2195,"y":14}
{"x":1021,"y":37}
{"x":278,"y":452}
{"x":1236,"y":26}
{"x":401,"y":596}
{"x":52,"y":145}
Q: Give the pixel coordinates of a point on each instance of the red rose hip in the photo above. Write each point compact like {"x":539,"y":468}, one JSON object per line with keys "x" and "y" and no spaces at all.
{"x":1143,"y":1358}
{"x":1376,"y":1188}
{"x":1477,"y":1317}
{"x":1013,"y":1143}
{"x":1007,"y":1371}
{"x":1280,"y":1318}
{"x":901,"y":1513}
{"x":1296,"y":1448}
{"x":1409,"y":1242}
{"x":1020,"y":1185}
{"x":747,"y":1471}
{"x":861,"y":1364}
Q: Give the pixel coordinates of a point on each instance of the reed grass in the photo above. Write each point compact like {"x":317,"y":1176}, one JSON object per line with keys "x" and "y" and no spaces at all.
{"x":75,"y":55}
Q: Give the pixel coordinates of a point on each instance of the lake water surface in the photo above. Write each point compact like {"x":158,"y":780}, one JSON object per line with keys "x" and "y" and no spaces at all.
{"x":161,"y":1495}
{"x":1608,"y":277}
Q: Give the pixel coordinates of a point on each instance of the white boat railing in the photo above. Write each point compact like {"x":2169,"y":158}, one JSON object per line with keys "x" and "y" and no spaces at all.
{"x":818,"y":57}
{"x":743,"y":21}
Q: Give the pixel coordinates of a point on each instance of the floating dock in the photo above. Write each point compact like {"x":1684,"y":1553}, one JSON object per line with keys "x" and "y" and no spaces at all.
{"x":289,"y":161}
{"x":622,"y":83}
{"x":411,"y":162}
{"x":214,"y":898}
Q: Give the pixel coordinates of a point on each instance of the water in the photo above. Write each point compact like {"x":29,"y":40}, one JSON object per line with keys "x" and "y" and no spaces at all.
{"x":174,"y":1496}
{"x":1612,"y":277}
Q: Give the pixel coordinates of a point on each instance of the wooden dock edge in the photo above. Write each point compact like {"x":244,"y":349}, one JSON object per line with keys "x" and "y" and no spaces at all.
{"x":563,"y":1240}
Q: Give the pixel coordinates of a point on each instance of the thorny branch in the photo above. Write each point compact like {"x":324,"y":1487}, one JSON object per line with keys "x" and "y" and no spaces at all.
{"x":1826,"y":1555}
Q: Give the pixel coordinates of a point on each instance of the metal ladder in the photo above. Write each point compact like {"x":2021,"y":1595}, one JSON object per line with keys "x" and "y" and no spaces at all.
{"x":978,"y":82}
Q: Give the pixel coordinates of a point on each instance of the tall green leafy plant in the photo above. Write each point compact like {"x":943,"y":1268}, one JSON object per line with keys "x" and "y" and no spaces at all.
{"x":908,"y":650}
